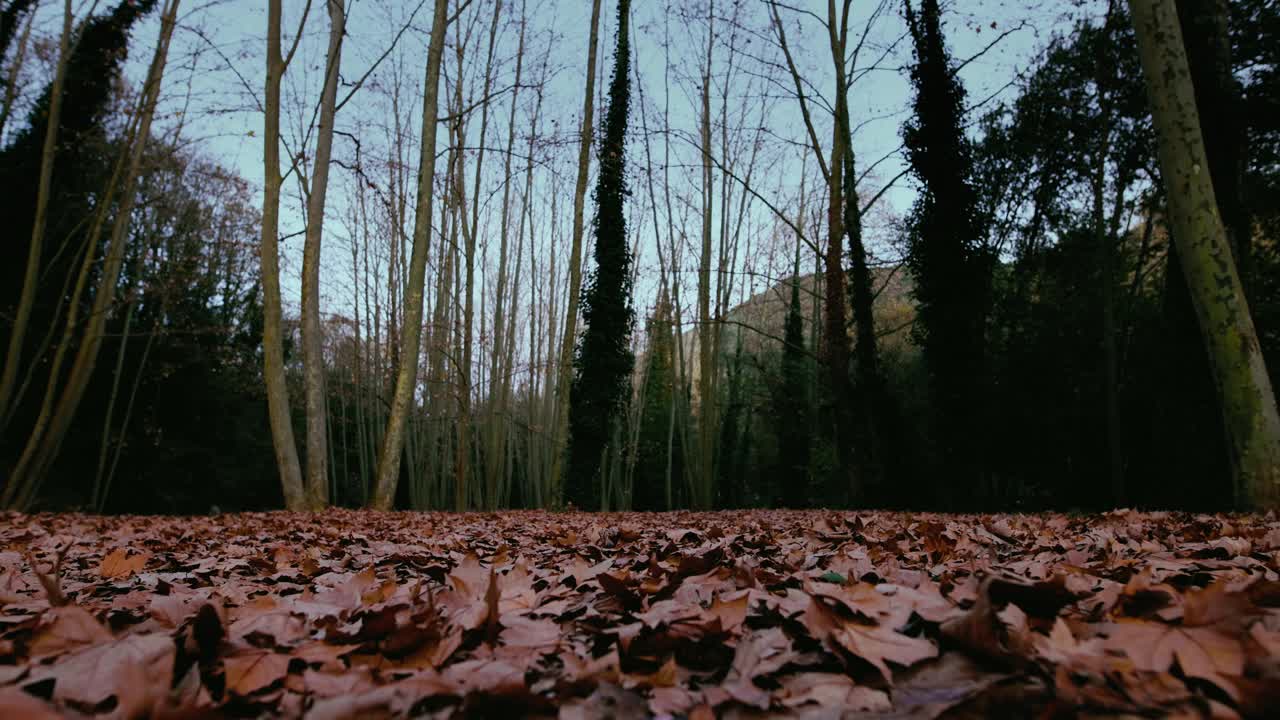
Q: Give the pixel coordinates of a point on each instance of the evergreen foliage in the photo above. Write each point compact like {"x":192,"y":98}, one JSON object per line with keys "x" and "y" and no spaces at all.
{"x":791,"y":407}
{"x":603,"y":359}
{"x":658,"y":452}
{"x":946,"y":254}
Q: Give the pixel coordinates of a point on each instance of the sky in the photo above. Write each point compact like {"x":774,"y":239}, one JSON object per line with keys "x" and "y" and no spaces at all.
{"x":213,"y":89}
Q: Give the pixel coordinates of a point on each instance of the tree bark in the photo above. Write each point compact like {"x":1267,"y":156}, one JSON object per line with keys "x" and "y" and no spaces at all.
{"x":313,"y":369}
{"x":407,"y":376}
{"x":273,"y":374}
{"x":565,"y":375}
{"x":1240,"y":374}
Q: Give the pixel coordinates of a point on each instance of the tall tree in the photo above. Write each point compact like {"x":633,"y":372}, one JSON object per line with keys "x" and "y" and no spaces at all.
{"x":313,"y":369}
{"x":604,"y":361}
{"x":55,"y":417}
{"x":653,"y":450}
{"x":564,"y":379}
{"x":946,"y":255}
{"x":407,"y":375}
{"x":1248,"y":403}
{"x":273,"y":374}
{"x":791,"y":403}
{"x":48,"y":154}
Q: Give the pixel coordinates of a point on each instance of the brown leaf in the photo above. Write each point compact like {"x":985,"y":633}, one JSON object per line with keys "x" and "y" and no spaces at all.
{"x":136,"y":671}
{"x":874,"y":643}
{"x":829,"y":690}
{"x":253,"y":670}
{"x":1201,"y":652}
{"x":119,"y":563}
{"x":69,"y":627}
{"x":15,"y":703}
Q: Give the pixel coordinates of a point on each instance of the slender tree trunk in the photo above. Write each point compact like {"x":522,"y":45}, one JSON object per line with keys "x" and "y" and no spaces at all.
{"x":706,"y":356}
{"x":273,"y":373}
{"x":313,"y":371}
{"x":497,"y":393}
{"x":15,"y":69}
{"x":407,"y":376}
{"x":52,"y":425}
{"x":48,"y":153}
{"x":565,"y":379}
{"x":1248,"y":403}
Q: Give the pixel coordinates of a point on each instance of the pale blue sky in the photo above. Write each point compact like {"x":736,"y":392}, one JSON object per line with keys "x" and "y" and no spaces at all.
{"x":216,"y":72}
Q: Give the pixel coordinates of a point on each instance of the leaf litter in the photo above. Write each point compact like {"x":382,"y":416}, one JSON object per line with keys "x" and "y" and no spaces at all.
{"x":745,"y":614}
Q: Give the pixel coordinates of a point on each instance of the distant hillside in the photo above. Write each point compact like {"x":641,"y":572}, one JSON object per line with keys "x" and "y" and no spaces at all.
{"x":761,"y":320}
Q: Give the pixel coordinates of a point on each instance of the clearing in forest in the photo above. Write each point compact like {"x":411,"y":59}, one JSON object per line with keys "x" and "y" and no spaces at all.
{"x":729,"y":614}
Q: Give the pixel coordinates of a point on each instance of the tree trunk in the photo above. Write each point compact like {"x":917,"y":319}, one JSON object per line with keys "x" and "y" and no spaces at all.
{"x":317,"y":478}
{"x":48,"y":153}
{"x":1240,"y":374}
{"x":407,"y":376}
{"x":565,"y":379}
{"x":54,"y":420}
{"x":273,"y":374}
{"x":703,"y":499}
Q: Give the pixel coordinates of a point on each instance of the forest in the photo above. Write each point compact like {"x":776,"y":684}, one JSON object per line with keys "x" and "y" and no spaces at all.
{"x":971,"y":305}
{"x":690,"y":288}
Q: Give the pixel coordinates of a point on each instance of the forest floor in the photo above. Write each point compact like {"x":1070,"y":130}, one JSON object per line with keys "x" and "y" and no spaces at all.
{"x":698,"y":615}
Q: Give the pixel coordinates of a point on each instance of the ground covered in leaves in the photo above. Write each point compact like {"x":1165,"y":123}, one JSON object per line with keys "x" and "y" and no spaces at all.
{"x":733,"y":614}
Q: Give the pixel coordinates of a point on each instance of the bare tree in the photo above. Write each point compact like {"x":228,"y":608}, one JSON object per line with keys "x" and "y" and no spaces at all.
{"x":407,"y":376}
{"x":565,"y":376}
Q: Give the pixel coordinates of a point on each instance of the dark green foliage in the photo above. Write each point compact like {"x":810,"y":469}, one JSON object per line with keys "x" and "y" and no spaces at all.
{"x":947,"y":256}
{"x":791,"y":408}
{"x":659,"y":450}
{"x":82,"y":168}
{"x":603,"y":360}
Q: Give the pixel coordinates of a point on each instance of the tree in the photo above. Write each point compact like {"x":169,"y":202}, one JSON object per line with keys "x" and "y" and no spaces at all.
{"x":62,"y":396}
{"x":317,"y":475}
{"x":946,"y":255}
{"x":1247,"y":401}
{"x":604,"y":361}
{"x":564,"y":378}
{"x":48,"y":154}
{"x":649,"y":487}
{"x":791,"y":404}
{"x":407,"y":376}
{"x":286,"y":449}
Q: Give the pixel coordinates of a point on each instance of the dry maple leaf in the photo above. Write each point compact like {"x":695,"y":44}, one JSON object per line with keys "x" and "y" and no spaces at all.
{"x":757,"y":655}
{"x":829,"y":690}
{"x":875,"y":643}
{"x":120,"y":564}
{"x":1202,"y":652}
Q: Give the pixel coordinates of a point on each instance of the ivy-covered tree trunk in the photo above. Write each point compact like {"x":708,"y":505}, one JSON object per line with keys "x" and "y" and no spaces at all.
{"x":1244,"y":388}
{"x":604,"y":361}
{"x":947,"y":258}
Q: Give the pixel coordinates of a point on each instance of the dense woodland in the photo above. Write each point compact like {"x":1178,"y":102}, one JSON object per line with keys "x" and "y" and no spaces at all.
{"x":457,"y":286}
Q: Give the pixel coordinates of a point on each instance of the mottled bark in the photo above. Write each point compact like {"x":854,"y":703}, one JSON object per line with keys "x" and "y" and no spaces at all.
{"x":1244,"y":388}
